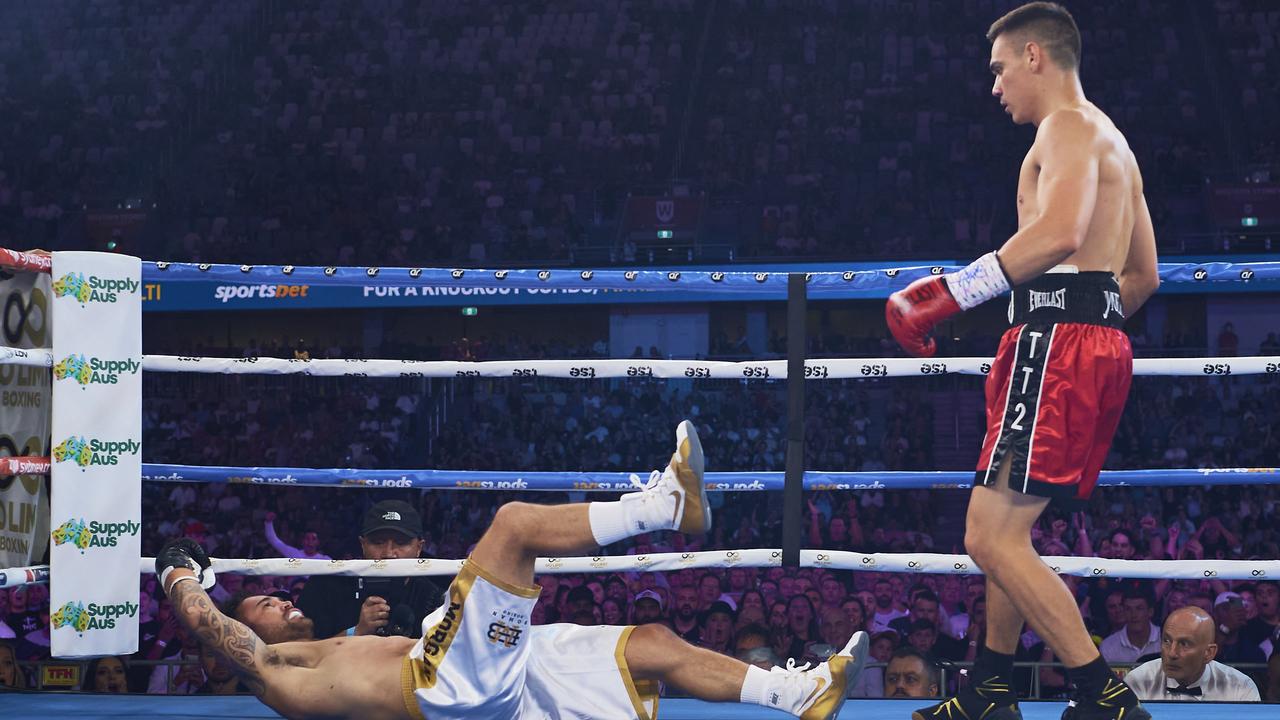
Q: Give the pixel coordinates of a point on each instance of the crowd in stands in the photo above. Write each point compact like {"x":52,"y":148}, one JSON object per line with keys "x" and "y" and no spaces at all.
{"x":388,"y":133}
{"x":761,"y":615}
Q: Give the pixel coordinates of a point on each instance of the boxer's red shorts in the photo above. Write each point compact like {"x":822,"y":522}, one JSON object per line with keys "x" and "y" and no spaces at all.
{"x":1054,"y":397}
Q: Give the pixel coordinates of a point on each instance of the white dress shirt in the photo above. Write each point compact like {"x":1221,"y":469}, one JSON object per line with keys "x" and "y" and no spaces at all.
{"x":1218,"y":682}
{"x":1119,"y":651}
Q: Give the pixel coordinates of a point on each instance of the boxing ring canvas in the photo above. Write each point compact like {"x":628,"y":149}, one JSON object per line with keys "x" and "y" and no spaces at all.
{"x":45,"y":705}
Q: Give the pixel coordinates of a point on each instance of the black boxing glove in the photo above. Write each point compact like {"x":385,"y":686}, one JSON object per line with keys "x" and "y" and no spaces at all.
{"x":184,"y":553}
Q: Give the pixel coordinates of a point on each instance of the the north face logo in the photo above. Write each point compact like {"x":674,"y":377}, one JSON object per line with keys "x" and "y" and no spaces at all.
{"x":391,"y":516}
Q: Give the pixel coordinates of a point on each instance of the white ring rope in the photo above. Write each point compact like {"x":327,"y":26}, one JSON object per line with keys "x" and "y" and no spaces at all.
{"x":589,"y":368}
{"x":769,"y":557}
{"x":925,"y":563}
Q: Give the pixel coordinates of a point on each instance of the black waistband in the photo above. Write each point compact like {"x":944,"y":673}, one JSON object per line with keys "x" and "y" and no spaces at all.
{"x":1085,"y":297}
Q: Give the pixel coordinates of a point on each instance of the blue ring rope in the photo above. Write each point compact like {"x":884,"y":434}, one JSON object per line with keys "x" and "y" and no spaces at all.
{"x":615,"y":481}
{"x":762,"y":284}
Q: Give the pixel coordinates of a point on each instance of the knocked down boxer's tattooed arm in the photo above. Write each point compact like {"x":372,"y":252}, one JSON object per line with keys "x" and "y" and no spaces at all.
{"x":232,"y":640}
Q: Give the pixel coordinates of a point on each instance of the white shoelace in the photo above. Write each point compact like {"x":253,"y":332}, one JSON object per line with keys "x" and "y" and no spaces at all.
{"x":791,"y":670}
{"x":655,"y":477}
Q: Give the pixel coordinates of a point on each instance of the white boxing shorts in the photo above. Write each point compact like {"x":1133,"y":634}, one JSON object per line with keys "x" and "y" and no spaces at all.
{"x":480,"y":658}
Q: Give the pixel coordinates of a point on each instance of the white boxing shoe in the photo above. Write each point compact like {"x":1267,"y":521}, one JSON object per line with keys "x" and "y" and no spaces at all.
{"x":676,"y":498}
{"x":818,"y":693}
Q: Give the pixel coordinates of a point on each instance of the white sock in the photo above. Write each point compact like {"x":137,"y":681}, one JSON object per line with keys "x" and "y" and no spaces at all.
{"x":755,"y":686}
{"x":634,"y":514}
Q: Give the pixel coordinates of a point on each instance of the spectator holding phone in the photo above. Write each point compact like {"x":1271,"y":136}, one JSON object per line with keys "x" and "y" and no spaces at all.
{"x":392,"y":530}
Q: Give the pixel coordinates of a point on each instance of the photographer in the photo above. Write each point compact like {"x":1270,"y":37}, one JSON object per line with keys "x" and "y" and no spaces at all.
{"x":391,"y":530}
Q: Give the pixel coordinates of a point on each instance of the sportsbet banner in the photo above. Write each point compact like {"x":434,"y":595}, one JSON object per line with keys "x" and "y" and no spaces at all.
{"x":24,"y":397}
{"x":97,"y":454}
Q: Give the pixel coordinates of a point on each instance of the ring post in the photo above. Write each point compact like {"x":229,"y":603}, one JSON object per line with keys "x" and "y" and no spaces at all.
{"x":793,"y":488}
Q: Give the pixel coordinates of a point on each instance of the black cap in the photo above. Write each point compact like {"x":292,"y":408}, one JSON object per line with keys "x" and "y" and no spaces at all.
{"x":722,"y":607}
{"x":395,"y":515}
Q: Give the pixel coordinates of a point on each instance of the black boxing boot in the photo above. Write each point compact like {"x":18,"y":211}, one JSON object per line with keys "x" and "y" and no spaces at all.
{"x":1102,"y":695}
{"x":988,"y":696}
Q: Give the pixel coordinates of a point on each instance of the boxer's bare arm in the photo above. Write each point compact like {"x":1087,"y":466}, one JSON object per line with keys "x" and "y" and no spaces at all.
{"x":1065,"y":196}
{"x":1140,"y":276}
{"x":250,"y":659}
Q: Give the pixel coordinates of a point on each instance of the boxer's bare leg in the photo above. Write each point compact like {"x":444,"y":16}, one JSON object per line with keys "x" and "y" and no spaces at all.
{"x":521,"y":532}
{"x":654,"y":652}
{"x":1004,"y":622}
{"x":675,"y":499}
{"x":998,"y":538}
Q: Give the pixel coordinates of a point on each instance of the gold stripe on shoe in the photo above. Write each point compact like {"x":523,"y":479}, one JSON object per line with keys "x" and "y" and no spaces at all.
{"x":845,"y":666}
{"x":832,"y":698}
{"x":689,"y":464}
{"x":954,"y":711}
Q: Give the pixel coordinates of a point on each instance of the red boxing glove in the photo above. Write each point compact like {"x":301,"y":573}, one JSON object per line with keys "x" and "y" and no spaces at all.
{"x":914,"y":311}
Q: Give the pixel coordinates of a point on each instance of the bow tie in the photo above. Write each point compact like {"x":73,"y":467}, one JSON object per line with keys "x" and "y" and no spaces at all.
{"x":1183,"y":690}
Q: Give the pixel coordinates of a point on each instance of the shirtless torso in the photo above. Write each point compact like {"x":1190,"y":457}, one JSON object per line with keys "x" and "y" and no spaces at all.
{"x":1119,"y":219}
{"x":343,"y":677}
{"x":338,"y":677}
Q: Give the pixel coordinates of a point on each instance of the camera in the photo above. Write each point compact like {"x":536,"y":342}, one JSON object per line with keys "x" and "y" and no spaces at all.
{"x":402,"y":621}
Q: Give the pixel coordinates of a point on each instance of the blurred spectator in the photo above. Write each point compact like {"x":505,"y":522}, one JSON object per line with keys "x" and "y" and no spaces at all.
{"x":106,"y":675}
{"x":834,"y":631}
{"x":580,"y":606}
{"x":715,"y":631}
{"x":1228,"y":341}
{"x":11,"y":676}
{"x":885,"y":611}
{"x":871,"y":684}
{"x":20,"y":619}
{"x":6,"y":632}
{"x":1139,"y":637}
{"x":924,"y":636}
{"x":684,"y":616}
{"x":1273,"y":675}
{"x":751,"y":646}
{"x":179,"y":679}
{"x":310,"y":542}
{"x":1186,"y":669}
{"x":647,"y":608}
{"x":910,"y":674}
{"x":389,"y":530}
{"x":1113,"y":619}
{"x":1261,"y":628}
{"x":35,"y":644}
{"x":801,"y":628}
{"x":751,"y":609}
{"x":1228,"y":611}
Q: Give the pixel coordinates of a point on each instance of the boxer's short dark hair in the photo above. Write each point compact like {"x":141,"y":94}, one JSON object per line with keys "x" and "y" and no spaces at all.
{"x":231,"y":607}
{"x":1050,"y":25}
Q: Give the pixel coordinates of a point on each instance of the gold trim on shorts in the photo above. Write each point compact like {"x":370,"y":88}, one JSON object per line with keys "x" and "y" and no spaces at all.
{"x":639,"y":692}
{"x":407,"y":686}
{"x":529,"y":592}
{"x":422,"y":673}
{"x":425,"y":670}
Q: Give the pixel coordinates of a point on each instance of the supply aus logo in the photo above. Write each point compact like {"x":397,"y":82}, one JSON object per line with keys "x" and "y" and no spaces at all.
{"x":94,"y":451}
{"x":94,"y":534}
{"x":93,"y":288}
{"x":84,"y":618}
{"x":94,"y":370}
